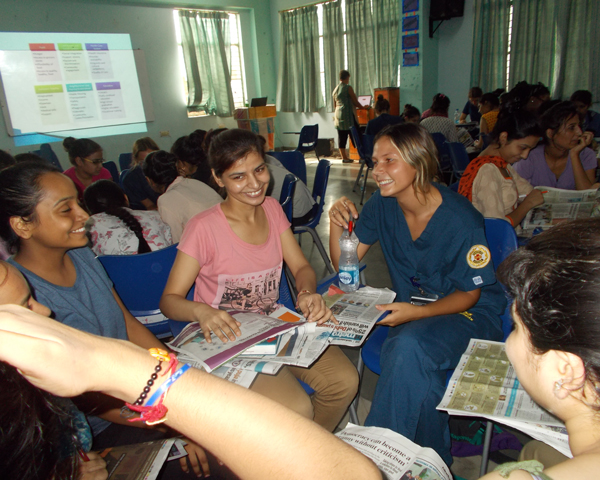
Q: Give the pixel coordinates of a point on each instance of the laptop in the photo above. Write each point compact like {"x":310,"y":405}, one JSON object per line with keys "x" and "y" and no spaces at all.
{"x":259,"y":102}
{"x":365,"y":100}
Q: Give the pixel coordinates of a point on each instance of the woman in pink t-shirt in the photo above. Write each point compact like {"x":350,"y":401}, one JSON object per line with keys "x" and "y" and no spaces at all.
{"x":233,"y":252}
{"x":86,"y":157}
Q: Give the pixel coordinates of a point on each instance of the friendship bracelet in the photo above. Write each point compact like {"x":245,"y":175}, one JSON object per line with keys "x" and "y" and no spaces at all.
{"x":165,"y":386}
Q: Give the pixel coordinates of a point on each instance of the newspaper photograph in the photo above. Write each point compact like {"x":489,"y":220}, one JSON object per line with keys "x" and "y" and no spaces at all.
{"x":395,"y":455}
{"x":560,"y":206}
{"x":254,"y":327}
{"x":484,"y":384}
{"x":356,"y":314}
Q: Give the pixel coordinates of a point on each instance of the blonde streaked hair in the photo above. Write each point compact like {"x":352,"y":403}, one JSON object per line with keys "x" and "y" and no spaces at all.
{"x":417,"y":149}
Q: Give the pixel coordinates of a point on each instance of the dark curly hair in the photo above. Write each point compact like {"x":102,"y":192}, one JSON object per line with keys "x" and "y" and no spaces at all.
{"x":105,"y":196}
{"x":20,"y":194}
{"x":555,"y":283}
{"x":161,"y":167}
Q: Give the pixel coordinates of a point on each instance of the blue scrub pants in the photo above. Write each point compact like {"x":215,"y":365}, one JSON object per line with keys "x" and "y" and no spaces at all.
{"x":414,"y":362}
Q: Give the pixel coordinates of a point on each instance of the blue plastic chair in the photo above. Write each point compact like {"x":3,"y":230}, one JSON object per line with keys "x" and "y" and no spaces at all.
{"x":125,"y":160}
{"x":502,"y":241}
{"x":364,"y":147}
{"x":309,"y":137}
{"x":286,"y":198}
{"x":122,"y":176}
{"x":444,"y":155}
{"x":48,"y":154}
{"x":140,"y":280}
{"x":112,"y":168}
{"x":318,"y":193}
{"x":459,"y":158}
{"x":293,"y":161}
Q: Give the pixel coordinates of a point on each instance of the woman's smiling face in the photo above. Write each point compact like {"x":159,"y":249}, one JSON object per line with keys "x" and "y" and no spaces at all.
{"x":247,"y":180}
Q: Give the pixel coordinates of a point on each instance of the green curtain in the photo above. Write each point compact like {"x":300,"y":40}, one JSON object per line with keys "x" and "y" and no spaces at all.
{"x":206,"y":52}
{"x":361,"y":46}
{"x":556,"y":42}
{"x":333,"y":48}
{"x":490,"y":43}
{"x":299,"y":80}
{"x":386,"y":18}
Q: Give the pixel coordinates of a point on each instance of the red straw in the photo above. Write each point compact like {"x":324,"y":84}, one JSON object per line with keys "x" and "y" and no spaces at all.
{"x":350,"y":226}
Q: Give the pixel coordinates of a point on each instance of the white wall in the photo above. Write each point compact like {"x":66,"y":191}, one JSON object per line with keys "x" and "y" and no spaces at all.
{"x":151,"y":27}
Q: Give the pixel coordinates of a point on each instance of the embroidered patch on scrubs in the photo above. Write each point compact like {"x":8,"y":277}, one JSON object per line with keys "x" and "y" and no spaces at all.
{"x":477,"y":280}
{"x":478,"y":256}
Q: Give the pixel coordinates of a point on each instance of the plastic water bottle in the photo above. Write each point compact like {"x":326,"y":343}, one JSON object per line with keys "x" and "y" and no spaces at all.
{"x":349,"y":270}
{"x":456,"y":116}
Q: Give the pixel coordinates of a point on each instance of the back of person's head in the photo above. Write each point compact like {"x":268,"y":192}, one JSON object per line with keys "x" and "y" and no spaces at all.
{"x":440,"y":104}
{"x":233,"y":145}
{"x":411,"y":113}
{"x":582,"y":96}
{"x":519,"y":94}
{"x":34,"y":444}
{"x":344,"y":75}
{"x":28,"y":157}
{"x":555,"y":283}
{"x":556,"y":116}
{"x":539,"y":90}
{"x":490,"y":99}
{"x":143,"y":144}
{"x":516,"y":122}
{"x":6,"y":160}
{"x":382,"y":105}
{"x":105,"y":196}
{"x":20,"y":193}
{"x":189,"y":148}
{"x":417,"y":149}
{"x":475,"y":92}
{"x":210,"y":135}
{"x":160,"y":167}
{"x":80,"y":148}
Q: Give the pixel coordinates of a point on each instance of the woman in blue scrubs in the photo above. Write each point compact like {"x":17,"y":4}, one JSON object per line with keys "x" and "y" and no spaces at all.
{"x":435,"y":247}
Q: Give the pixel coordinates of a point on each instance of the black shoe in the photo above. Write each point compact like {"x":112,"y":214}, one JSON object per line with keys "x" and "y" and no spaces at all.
{"x":347,"y":160}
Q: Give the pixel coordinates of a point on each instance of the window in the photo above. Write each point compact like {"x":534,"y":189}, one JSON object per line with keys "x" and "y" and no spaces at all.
{"x":238,"y":79}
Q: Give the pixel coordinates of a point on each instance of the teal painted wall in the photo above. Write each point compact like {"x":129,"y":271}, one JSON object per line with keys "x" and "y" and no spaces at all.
{"x":151,"y":27}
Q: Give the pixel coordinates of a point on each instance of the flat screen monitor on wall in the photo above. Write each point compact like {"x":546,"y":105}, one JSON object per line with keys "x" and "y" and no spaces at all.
{"x":80,"y":84}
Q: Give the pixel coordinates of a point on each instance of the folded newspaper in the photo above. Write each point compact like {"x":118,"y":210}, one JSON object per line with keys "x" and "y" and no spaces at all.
{"x":560,"y":206}
{"x":484,"y":384}
{"x":395,"y":455}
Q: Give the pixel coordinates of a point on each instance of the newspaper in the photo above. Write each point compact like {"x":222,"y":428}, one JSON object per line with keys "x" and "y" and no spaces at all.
{"x":356,"y":314}
{"x":394,"y":454}
{"x":484,"y":384}
{"x":142,"y":461}
{"x":559,"y":206}
{"x":193,"y":348}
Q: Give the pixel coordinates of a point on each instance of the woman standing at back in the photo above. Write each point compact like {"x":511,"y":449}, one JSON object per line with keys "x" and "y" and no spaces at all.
{"x":86,"y":157}
{"x":345,"y":102}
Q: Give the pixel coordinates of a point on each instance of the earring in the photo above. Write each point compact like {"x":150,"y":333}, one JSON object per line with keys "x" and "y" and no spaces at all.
{"x":558,"y":384}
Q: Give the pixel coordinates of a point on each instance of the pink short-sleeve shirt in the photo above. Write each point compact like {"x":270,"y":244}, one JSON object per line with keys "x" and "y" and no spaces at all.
{"x":235,"y":274}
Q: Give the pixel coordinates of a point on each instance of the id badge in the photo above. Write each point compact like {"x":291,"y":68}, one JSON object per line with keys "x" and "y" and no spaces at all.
{"x":422,"y":298}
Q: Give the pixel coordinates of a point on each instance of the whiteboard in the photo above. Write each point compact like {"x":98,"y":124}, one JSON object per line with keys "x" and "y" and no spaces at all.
{"x":56,"y":82}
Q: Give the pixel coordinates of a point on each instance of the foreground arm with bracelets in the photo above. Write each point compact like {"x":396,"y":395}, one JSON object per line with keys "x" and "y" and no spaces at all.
{"x":256,"y":437}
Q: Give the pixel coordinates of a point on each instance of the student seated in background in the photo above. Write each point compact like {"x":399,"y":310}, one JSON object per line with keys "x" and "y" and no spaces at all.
{"x":563,"y":159}
{"x":472,"y":106}
{"x":86,"y":157}
{"x":438,"y":121}
{"x":490,"y":182}
{"x":383,"y":118}
{"x":489,"y":107}
{"x":139,"y":192}
{"x":41,"y":433}
{"x":180,"y":198}
{"x":114,"y":229}
{"x":233,"y":254}
{"x":44,"y":226}
{"x":193,"y":160}
{"x":590,"y":120}
{"x":411,"y":114}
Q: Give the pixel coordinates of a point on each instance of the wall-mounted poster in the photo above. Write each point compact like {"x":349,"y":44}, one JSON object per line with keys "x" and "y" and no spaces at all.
{"x":410,"y":59}
{"x":410,"y":23}
{"x":410,"y":6}
{"x":410,"y":41}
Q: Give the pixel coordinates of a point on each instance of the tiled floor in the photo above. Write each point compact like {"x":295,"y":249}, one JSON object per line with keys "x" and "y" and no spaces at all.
{"x":341,"y":180}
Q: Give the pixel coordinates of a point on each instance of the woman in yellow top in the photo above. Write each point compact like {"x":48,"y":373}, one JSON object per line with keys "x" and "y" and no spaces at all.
{"x":489,"y":107}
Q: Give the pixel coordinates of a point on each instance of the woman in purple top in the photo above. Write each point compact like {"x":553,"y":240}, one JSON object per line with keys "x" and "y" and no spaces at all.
{"x":562,"y":161}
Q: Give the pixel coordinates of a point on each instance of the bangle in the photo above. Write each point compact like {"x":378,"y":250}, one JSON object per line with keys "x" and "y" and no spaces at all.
{"x":510,"y":220}
{"x":302,"y":292}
